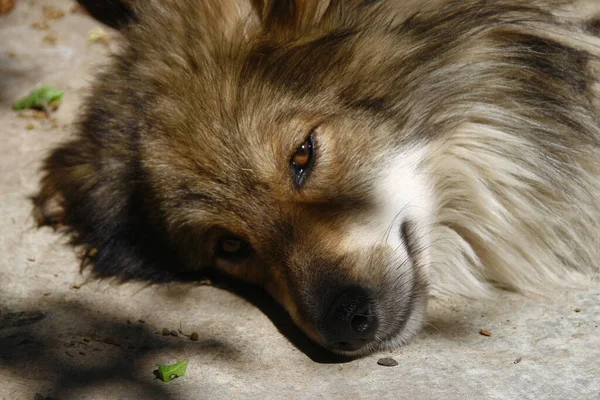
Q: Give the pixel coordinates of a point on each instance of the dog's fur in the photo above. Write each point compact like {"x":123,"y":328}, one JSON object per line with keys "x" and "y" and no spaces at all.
{"x":457,"y":146}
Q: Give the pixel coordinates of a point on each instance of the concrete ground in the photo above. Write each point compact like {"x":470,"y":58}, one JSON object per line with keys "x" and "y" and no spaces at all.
{"x":64,"y":337}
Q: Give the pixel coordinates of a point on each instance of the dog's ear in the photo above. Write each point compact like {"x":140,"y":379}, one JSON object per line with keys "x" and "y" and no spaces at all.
{"x":291,"y":16}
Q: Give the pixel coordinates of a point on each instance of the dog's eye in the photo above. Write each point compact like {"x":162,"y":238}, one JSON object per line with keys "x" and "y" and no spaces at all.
{"x":302,"y":161}
{"x":233,"y":248}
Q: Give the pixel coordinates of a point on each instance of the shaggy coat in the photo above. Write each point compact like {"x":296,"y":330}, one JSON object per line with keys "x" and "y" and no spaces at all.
{"x":352,"y":157}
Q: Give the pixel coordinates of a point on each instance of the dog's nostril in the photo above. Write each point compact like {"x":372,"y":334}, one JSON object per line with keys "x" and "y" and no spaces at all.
{"x":350,"y":322}
{"x":361,"y":323}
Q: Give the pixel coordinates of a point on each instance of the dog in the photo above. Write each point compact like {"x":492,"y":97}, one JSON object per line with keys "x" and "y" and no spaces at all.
{"x":351,"y":157}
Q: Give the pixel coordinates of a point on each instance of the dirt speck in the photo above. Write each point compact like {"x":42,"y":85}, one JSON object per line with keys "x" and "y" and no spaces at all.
{"x":485,"y":332}
{"x":50,"y":38}
{"x":40,"y":25}
{"x":577,"y":309}
{"x":50,"y":12}
{"x":112,"y":341}
{"x":78,"y":9}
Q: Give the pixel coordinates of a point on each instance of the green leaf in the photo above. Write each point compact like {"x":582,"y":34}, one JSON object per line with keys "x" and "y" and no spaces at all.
{"x":167,"y":373}
{"x":39,"y":99}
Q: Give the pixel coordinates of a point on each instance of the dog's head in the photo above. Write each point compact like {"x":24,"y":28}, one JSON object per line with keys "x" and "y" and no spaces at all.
{"x":272,"y":159}
{"x":264,"y":144}
{"x":315,"y":203}
{"x":311,"y":146}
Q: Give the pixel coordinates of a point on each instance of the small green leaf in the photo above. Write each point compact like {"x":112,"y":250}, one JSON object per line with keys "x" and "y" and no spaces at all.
{"x":39,"y":99}
{"x":167,"y":373}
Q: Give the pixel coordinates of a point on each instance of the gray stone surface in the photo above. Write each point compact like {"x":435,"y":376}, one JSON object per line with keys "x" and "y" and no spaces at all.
{"x":89,"y":343}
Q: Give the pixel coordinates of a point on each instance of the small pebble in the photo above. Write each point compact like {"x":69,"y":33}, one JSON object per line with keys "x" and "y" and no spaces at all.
{"x":6,"y":5}
{"x":577,"y":309}
{"x":113,"y":341}
{"x":40,"y":25}
{"x":78,"y":9}
{"x":194,"y":336}
{"x":518,"y":360}
{"x":387,"y":362}
{"x":50,"y":38}
{"x":98,"y":34}
{"x":52,"y":12}
{"x":485,"y":332}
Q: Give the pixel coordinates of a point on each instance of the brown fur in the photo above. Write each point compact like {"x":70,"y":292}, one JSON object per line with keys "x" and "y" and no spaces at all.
{"x":188,"y":134}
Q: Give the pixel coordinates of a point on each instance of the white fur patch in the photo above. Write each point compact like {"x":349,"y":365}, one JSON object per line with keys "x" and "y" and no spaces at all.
{"x":401,"y":192}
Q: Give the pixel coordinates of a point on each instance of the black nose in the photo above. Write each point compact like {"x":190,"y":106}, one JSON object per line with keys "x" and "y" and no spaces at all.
{"x":351,"y":321}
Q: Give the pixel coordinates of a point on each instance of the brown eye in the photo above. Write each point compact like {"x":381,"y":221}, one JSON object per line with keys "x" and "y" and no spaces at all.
{"x":233,"y":248}
{"x":303,"y":155}
{"x":302,"y":161}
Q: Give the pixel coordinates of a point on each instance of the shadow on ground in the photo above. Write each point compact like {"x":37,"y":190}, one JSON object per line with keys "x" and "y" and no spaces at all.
{"x":94,"y":350}
{"x":281,"y":319}
{"x":96,"y":347}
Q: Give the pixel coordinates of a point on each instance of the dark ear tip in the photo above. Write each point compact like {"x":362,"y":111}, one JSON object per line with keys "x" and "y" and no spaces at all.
{"x":114,"y":13}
